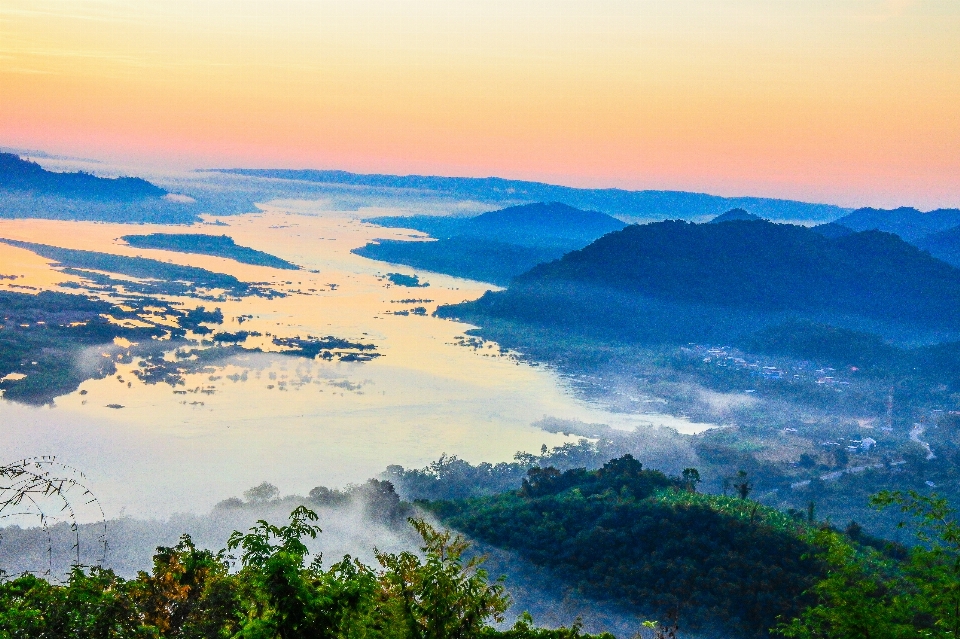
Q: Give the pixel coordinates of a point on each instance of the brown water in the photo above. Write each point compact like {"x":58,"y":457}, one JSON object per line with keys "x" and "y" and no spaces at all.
{"x":294,"y":422}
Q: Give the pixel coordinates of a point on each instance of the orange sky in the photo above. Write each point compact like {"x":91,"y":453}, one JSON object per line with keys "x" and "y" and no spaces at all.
{"x":845,"y":101}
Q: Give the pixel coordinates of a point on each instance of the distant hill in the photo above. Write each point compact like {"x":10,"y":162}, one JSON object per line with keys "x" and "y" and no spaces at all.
{"x":17,"y":174}
{"x":765,"y":266}
{"x":471,"y":258}
{"x":676,"y":281}
{"x":537,"y":224}
{"x":944,"y":245}
{"x":833,"y":230}
{"x":647,"y":205}
{"x":27,"y":190}
{"x":217,"y":245}
{"x":735,"y":215}
{"x":909,"y":223}
{"x":495,"y":246}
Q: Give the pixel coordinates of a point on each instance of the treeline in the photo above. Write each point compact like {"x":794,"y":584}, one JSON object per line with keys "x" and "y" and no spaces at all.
{"x":273,"y":590}
{"x":621,"y":534}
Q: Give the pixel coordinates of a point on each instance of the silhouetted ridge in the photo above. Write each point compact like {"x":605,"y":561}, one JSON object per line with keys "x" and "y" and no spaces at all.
{"x":833,"y":230}
{"x":642,"y":204}
{"x":735,"y":215}
{"x":907,"y":222}
{"x":944,"y":245}
{"x":17,"y":174}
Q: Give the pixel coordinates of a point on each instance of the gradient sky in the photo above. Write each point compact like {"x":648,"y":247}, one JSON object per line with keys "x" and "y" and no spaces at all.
{"x":845,"y":101}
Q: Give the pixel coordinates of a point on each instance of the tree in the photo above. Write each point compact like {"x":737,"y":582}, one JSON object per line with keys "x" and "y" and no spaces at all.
{"x":742,"y":484}
{"x":691,"y":477}
{"x":262,"y":493}
{"x":442,"y":597}
{"x":854,"y":600}
{"x":189,"y":592}
{"x":870,"y":596}
{"x":287,"y":599}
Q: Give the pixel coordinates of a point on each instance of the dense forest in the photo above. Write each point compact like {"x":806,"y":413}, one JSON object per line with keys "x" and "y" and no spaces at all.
{"x":648,"y":542}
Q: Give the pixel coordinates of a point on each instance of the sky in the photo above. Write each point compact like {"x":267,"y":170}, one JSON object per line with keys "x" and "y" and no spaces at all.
{"x":853,"y":102}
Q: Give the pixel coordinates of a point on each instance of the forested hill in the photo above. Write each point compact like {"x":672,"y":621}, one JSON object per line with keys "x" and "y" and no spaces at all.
{"x":21,"y":175}
{"x":763,"y":267}
{"x":637,"y":538}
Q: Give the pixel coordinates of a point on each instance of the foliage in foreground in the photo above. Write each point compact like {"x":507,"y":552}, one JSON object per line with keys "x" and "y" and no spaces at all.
{"x":275,"y":594}
{"x":866,"y":595}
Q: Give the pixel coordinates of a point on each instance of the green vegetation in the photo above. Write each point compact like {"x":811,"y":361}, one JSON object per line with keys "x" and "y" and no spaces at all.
{"x":807,"y":350}
{"x":642,"y":540}
{"x":42,"y":336}
{"x":217,"y":245}
{"x":637,"y":539}
{"x":274,"y":593}
{"x":867,"y":595}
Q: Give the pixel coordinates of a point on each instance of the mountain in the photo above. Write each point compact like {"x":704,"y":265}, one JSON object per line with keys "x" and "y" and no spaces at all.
{"x":944,"y":245}
{"x":765,"y":266}
{"x":27,"y":190}
{"x":676,"y":281}
{"x":495,"y":246}
{"x":17,"y":174}
{"x":735,"y":215}
{"x":908,"y":223}
{"x":647,"y":205}
{"x":537,"y":224}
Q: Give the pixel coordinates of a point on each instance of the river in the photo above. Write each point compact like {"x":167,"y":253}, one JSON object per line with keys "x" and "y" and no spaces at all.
{"x":294,"y":422}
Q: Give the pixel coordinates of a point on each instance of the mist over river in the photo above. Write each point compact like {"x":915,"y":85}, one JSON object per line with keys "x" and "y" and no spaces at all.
{"x":152,"y":449}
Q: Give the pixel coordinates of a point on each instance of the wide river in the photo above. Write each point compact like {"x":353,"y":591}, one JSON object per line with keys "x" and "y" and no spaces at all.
{"x":294,"y":422}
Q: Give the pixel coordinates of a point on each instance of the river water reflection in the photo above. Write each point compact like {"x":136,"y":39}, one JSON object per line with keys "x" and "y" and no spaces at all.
{"x":153,"y":449}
